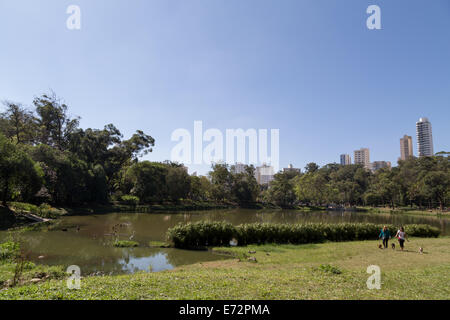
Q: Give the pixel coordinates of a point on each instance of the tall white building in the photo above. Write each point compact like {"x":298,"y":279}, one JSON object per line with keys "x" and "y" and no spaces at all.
{"x":406,"y":149}
{"x":264,"y":174}
{"x":424,"y":138}
{"x":346,"y":159}
{"x":362,"y":156}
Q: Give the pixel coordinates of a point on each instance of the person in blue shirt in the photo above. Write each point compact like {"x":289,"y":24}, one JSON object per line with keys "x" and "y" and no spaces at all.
{"x":385,"y":235}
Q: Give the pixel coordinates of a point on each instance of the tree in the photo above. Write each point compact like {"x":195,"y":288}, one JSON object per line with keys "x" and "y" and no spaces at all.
{"x":55,"y":125}
{"x":311,"y":188}
{"x":311,"y":167}
{"x":20,"y":177}
{"x":281,"y":189}
{"x":386,"y":186}
{"x":93,"y":145}
{"x":245,"y":188}
{"x":200,"y":188}
{"x":349,"y":182}
{"x":436,"y":186}
{"x":18,"y":124}
{"x":178,"y":182}
{"x":124,"y":154}
{"x":68,"y":179}
{"x":221,"y":181}
{"x":107,"y":149}
{"x":146,"y":180}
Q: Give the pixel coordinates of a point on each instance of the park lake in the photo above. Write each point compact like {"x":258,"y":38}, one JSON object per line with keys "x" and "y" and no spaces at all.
{"x":87,"y":240}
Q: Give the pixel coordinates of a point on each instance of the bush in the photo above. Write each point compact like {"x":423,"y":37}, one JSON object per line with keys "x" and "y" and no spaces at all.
{"x":421,"y":230}
{"x":129,"y":200}
{"x":199,"y":234}
{"x":202,"y":233}
{"x":8,"y":250}
{"x":44,"y":210}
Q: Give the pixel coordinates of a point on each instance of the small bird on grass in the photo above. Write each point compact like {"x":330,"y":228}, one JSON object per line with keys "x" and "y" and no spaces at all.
{"x":420,"y":250}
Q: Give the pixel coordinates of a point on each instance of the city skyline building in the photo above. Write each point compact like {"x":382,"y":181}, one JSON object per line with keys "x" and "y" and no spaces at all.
{"x":346,"y":159}
{"x":377,"y":165}
{"x":424,"y":138}
{"x":406,"y":148}
{"x":264,"y":174}
{"x":362,"y":156}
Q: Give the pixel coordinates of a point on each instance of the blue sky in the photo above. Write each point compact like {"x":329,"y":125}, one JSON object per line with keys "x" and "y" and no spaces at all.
{"x":309,"y":68}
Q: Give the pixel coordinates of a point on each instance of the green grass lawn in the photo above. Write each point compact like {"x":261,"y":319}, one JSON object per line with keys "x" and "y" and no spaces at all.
{"x":406,"y":210}
{"x":315,"y":271}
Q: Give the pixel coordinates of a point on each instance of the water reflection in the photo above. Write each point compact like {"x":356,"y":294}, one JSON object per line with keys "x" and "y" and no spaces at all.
{"x":157,"y":262}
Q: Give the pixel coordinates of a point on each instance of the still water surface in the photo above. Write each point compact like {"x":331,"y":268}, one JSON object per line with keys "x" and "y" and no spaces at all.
{"x":88,"y":240}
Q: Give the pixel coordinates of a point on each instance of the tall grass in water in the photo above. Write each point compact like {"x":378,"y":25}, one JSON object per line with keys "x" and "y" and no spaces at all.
{"x":193,"y":235}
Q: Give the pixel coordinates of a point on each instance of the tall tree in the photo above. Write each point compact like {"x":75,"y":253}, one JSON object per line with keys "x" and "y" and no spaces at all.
{"x":55,"y":124}
{"x":18,"y":123}
{"x":245,"y":188}
{"x":221,"y":181}
{"x":281,"y":190}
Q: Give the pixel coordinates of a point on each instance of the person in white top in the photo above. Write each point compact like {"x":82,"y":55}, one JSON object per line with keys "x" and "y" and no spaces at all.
{"x":402,"y":236}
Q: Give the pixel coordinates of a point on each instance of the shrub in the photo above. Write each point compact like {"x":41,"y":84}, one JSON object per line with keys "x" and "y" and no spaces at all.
{"x":199,"y":234}
{"x":44,"y":210}
{"x":129,"y":200}
{"x":8,"y":250}
{"x":421,"y":230}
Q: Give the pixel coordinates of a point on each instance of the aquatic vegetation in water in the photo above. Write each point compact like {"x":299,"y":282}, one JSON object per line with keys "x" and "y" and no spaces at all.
{"x":125,"y":244}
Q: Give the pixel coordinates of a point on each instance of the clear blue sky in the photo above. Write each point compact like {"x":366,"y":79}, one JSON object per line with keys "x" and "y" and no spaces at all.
{"x":310,"y":68}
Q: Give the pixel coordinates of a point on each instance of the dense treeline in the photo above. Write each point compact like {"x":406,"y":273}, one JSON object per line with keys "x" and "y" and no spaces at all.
{"x":201,"y":234}
{"x":423,"y":182}
{"x":47,"y":158}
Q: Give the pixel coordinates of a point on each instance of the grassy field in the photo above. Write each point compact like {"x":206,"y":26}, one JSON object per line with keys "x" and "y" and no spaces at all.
{"x":319,"y":271}
{"x":406,"y":210}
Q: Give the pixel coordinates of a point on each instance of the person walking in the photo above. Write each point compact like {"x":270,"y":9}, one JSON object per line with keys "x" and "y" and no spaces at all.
{"x":401,"y":236}
{"x":385,"y":235}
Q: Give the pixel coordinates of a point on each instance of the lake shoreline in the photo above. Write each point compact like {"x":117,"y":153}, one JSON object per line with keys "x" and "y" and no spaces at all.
{"x":21,"y":210}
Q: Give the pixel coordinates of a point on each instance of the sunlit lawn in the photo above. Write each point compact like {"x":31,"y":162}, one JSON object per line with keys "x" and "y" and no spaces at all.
{"x":319,"y":271}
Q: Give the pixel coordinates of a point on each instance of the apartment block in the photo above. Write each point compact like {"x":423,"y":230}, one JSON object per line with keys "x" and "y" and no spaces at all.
{"x":362,"y":156}
{"x":424,"y":138}
{"x":406,"y":149}
{"x":346,"y":159}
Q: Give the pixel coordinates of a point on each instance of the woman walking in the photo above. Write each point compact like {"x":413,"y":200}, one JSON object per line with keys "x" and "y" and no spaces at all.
{"x":385,"y":235}
{"x":401,"y":236}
